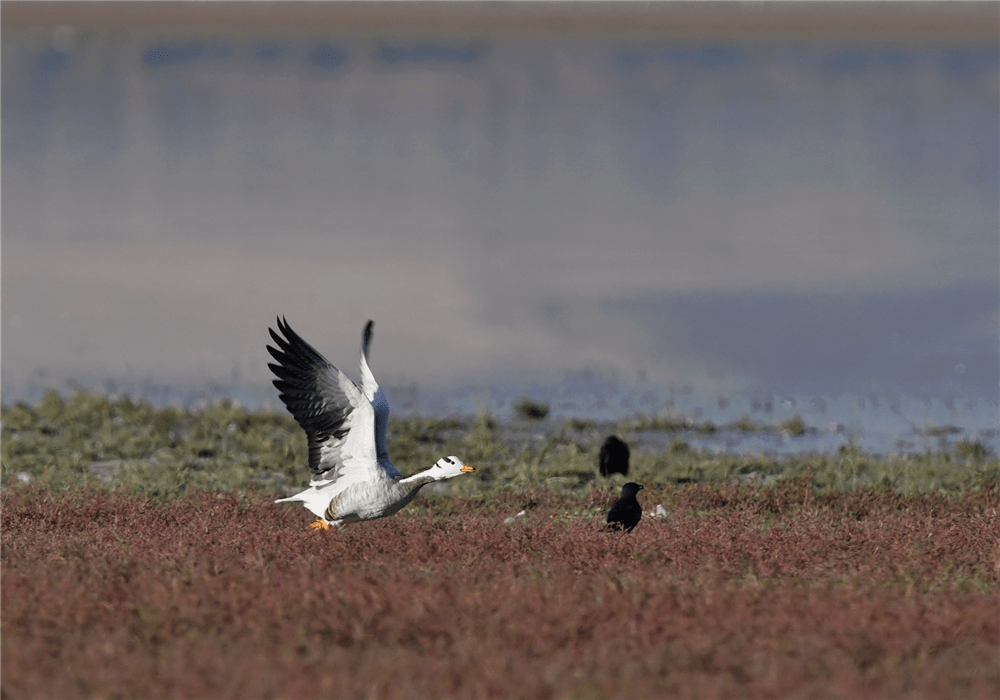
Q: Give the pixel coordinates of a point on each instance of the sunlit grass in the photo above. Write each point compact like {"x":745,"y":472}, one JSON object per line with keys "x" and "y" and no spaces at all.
{"x":122,"y":442}
{"x":184,"y":575}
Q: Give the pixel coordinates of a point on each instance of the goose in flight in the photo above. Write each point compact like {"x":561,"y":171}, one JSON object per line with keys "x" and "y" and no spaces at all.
{"x":352,"y":477}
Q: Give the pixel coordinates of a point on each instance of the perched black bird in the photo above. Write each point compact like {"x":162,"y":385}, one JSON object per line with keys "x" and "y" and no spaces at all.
{"x":614,"y":457}
{"x":626,"y":512}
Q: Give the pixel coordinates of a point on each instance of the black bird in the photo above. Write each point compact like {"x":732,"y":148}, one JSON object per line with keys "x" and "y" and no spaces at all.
{"x":614,"y":457}
{"x":626,"y":512}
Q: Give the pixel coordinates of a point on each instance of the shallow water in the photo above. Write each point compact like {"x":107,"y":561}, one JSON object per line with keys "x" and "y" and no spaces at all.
{"x":521,"y":214}
{"x":875,"y":425}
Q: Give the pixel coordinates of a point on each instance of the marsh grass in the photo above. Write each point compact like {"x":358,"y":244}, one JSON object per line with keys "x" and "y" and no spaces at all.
{"x":743,"y":592}
{"x":642,"y":422}
{"x":126,"y":443}
{"x":795,"y":426}
{"x":118,"y":441}
{"x":143,"y":557}
{"x":531,"y":410}
{"x":972,"y":449}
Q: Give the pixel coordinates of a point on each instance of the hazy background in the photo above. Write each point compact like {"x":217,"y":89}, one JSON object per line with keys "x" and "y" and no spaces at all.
{"x":608,"y":206}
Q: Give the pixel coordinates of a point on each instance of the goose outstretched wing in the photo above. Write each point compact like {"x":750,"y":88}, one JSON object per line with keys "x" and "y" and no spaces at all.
{"x":338,"y":418}
{"x":374,"y":394}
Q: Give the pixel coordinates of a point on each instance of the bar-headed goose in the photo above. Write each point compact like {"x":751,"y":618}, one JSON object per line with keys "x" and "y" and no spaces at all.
{"x":352,"y":477}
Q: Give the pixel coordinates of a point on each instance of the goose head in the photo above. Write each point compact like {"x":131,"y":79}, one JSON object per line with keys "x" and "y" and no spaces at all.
{"x":448,"y":467}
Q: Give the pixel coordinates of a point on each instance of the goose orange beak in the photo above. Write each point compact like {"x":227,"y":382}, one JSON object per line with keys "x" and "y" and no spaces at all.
{"x":466,"y":468}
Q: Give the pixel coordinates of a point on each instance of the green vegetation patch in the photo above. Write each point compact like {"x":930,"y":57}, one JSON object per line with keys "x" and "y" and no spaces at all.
{"x":531,"y":410}
{"x":125,"y":443}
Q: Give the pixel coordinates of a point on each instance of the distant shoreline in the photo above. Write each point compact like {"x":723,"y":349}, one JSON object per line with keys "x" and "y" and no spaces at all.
{"x":963,"y":23}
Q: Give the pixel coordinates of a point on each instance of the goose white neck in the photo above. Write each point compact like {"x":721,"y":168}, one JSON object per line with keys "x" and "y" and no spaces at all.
{"x":424,"y":477}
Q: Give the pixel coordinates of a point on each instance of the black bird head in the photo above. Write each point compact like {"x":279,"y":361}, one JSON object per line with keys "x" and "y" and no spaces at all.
{"x":631,"y":489}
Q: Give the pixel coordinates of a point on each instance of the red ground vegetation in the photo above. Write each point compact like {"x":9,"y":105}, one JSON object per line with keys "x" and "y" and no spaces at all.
{"x":739,"y":593}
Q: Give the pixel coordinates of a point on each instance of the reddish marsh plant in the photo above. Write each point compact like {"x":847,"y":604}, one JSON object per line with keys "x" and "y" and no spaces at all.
{"x":740,"y":592}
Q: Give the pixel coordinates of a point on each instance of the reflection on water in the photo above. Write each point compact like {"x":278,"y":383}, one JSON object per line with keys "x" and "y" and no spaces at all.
{"x":744,"y":424}
{"x":523,"y":215}
{"x":874,"y":424}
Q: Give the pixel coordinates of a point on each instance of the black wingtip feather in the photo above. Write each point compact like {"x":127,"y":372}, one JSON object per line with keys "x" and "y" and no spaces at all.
{"x":308,"y":386}
{"x":297,"y":351}
{"x":366,"y":338}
